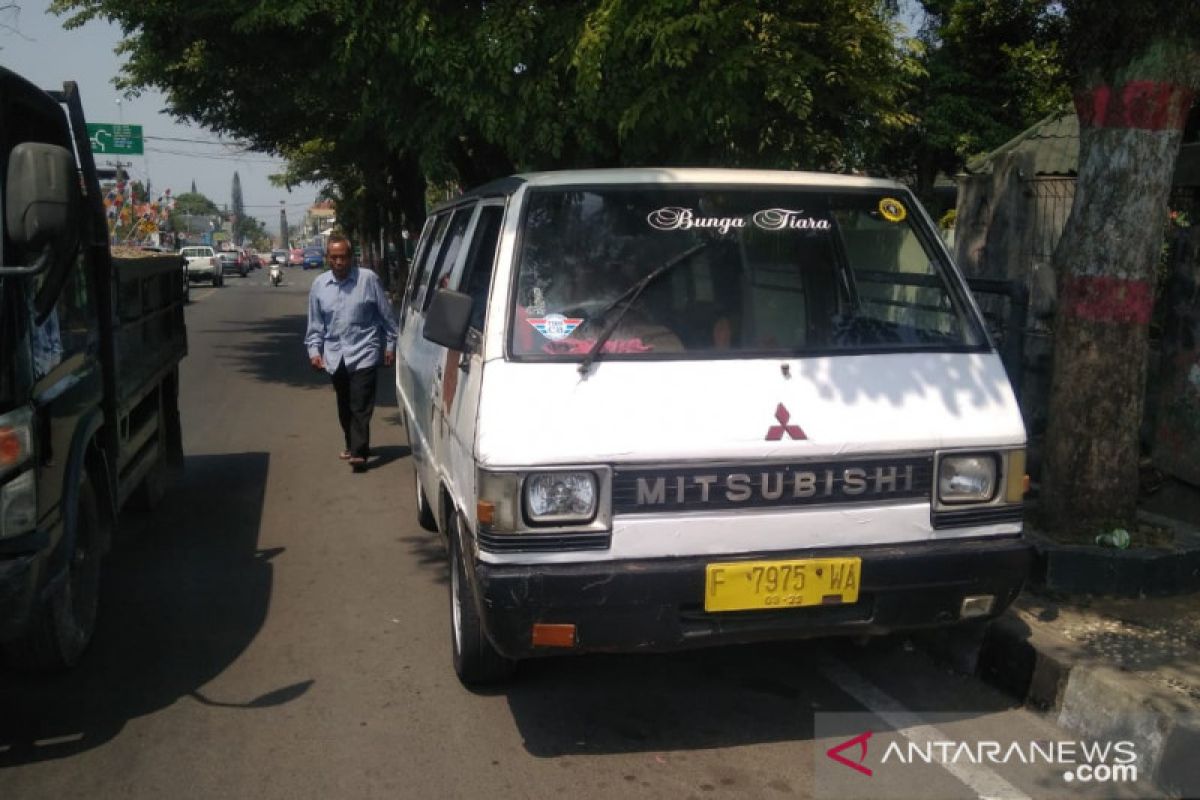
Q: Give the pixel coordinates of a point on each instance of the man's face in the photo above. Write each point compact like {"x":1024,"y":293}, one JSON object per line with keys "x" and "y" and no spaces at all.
{"x":339,"y":256}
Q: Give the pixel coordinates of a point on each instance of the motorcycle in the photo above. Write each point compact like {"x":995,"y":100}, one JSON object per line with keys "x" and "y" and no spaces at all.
{"x":276,"y":274}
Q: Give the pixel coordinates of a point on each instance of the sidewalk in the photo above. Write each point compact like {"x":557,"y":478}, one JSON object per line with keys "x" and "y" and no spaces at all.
{"x":1109,"y":667}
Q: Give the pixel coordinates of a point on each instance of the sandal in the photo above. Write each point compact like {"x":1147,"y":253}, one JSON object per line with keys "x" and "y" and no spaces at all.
{"x":358,"y":464}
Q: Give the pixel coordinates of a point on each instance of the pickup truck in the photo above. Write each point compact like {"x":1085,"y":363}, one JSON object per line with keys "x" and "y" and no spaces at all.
{"x":202,"y":263}
{"x":90,"y":347}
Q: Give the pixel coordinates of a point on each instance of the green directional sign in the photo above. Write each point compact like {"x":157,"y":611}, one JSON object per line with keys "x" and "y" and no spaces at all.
{"x":119,"y":140}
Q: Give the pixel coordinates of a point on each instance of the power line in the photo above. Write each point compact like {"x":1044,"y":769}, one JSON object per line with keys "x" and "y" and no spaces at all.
{"x":196,"y":141}
{"x":217,"y":156}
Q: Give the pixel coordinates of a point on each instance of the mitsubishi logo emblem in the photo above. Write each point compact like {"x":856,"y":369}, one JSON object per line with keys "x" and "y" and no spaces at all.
{"x":776,"y":432}
{"x":860,"y":742}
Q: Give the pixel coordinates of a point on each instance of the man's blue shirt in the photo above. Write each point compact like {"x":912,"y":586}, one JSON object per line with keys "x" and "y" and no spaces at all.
{"x":345,"y":319}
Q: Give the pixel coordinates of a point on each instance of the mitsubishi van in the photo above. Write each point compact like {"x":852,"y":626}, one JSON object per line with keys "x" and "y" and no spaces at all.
{"x":653,"y":409}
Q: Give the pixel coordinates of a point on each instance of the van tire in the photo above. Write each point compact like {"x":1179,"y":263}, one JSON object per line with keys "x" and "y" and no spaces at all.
{"x":476,"y":660}
{"x":62,"y":626}
{"x":425,"y":514}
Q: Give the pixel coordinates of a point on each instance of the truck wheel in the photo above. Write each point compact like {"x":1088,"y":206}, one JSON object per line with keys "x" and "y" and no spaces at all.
{"x":424,"y":513}
{"x":63,"y":625}
{"x":476,"y":661}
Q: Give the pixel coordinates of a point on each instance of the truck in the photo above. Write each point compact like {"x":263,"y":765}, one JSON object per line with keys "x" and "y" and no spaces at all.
{"x":90,"y":346}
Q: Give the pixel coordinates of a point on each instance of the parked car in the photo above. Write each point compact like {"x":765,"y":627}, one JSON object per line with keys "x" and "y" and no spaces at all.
{"x":202,"y":264}
{"x":295,"y":257}
{"x":314,"y":257}
{"x":187,"y":281}
{"x":231,"y":261}
{"x":719,"y":406}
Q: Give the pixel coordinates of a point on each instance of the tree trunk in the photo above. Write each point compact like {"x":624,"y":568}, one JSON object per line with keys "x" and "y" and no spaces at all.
{"x":1129,"y":138}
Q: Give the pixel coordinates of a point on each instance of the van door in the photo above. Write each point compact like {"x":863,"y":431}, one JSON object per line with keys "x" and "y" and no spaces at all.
{"x":462,"y":372}
{"x":423,"y":358}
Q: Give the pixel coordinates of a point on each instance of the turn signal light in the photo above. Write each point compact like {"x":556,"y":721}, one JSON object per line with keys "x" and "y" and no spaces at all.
{"x":485,"y":511}
{"x":1018,"y":481}
{"x":11,"y":450}
{"x":553,"y":635}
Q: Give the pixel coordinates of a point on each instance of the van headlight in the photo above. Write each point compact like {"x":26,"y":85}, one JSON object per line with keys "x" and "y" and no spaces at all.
{"x":560,"y":497}
{"x":967,"y":478}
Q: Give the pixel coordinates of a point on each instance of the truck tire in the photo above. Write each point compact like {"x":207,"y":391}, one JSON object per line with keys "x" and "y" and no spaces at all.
{"x":476,"y":660}
{"x":62,"y":626}
{"x":425,"y":516}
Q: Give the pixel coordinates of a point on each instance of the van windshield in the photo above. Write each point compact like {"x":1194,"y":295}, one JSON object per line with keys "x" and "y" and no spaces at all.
{"x":751,"y":272}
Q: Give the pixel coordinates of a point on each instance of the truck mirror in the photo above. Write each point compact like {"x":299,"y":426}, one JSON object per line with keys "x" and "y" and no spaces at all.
{"x":448,"y":319}
{"x":40,"y":204}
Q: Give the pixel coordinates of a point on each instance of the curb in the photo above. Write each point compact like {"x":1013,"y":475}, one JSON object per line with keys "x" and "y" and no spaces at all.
{"x":1093,"y":699}
{"x":1086,"y":569}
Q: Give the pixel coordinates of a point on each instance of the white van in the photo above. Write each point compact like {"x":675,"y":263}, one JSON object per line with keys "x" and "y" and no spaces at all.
{"x":662,"y":408}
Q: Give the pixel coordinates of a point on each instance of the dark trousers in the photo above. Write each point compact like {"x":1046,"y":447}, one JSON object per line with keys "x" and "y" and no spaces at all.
{"x":356,"y":403}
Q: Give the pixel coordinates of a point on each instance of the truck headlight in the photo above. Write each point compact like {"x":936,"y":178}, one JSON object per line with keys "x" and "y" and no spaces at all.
{"x":16,"y":439}
{"x":967,"y":478}
{"x":18,"y":505}
{"x":560,"y":497}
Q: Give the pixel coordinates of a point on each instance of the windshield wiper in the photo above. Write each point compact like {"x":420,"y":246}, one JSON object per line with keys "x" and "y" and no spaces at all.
{"x":630,"y":295}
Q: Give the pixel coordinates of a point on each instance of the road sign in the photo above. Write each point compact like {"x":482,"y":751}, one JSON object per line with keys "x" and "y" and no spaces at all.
{"x":110,"y":139}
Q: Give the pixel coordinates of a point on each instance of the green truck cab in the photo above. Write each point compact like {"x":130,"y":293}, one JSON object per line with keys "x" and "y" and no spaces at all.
{"x":90,"y":347}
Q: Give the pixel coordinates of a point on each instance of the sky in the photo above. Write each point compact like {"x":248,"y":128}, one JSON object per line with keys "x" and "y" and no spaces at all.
{"x":34,"y":44}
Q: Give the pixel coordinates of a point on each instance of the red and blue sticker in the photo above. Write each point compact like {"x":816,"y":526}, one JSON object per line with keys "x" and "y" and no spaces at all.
{"x":555,"y":326}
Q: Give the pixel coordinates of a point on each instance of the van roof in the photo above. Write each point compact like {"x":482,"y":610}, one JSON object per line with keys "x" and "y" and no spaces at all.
{"x":669,"y":175}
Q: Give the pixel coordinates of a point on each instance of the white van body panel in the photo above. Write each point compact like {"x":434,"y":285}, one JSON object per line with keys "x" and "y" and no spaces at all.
{"x":719,"y":410}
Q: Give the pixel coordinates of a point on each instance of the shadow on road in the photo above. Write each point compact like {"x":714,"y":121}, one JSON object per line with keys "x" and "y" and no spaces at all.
{"x":186,"y":590}
{"x":660,"y":703}
{"x":382,"y":456}
{"x":720,"y":697}
{"x":270,"y":350}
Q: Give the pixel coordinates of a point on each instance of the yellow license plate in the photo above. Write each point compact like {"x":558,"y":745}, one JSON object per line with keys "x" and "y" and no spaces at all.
{"x":746,"y":585}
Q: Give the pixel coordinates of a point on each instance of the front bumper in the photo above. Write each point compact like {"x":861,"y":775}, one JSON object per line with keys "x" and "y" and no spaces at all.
{"x":658,"y":604}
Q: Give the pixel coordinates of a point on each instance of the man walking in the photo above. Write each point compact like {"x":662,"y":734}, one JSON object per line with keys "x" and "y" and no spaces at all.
{"x":349,"y":324}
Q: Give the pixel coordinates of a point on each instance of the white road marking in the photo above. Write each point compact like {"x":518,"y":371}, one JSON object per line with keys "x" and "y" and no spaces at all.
{"x":986,"y":784}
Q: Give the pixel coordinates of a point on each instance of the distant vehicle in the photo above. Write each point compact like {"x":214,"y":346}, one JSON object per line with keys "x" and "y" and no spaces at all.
{"x":314,"y":257}
{"x":202,"y":264}
{"x":279,"y":256}
{"x":253,"y":259}
{"x":295,"y":257}
{"x":187,"y":283}
{"x":232,"y":261}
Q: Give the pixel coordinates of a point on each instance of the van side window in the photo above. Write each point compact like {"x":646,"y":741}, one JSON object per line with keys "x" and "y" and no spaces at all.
{"x":447,"y":252}
{"x":424,"y":262}
{"x":480,"y":259}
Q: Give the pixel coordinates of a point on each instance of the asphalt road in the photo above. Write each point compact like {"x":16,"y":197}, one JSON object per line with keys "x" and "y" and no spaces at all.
{"x":278,"y":628}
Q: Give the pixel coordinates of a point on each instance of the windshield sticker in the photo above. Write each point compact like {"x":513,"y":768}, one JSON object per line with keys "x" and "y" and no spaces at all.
{"x":676,"y":218}
{"x":892,"y":209}
{"x":555,"y":326}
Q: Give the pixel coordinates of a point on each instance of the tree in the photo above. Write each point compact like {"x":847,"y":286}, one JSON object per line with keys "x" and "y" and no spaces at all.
{"x":194,"y":203}
{"x":1136,"y":65}
{"x":414,"y":92}
{"x":240,"y":226}
{"x":989,"y":70}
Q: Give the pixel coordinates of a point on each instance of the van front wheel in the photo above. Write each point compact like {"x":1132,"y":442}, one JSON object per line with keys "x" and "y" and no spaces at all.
{"x":476,"y":661}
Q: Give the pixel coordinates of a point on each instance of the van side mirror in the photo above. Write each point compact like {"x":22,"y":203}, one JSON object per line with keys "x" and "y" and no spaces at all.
{"x":41,"y":205}
{"x":448,"y":319}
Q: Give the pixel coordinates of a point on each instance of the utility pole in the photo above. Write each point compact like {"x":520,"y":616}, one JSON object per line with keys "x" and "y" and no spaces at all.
{"x":283,"y":231}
